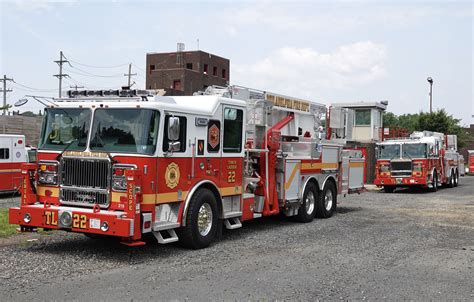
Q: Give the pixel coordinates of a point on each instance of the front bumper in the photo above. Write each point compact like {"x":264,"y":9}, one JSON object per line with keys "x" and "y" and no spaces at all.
{"x":401,"y":181}
{"x":82,"y":220}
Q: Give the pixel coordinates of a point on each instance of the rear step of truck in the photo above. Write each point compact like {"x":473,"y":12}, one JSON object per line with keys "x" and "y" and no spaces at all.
{"x":232,"y":223}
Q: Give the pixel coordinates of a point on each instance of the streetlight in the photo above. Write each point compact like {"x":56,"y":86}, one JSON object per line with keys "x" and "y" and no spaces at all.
{"x":430,"y":80}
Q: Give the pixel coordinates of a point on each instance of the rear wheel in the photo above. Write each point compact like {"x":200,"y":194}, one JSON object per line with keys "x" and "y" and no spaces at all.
{"x":307,"y":209}
{"x":327,"y":201}
{"x":456,"y":178}
{"x":389,"y":189}
{"x":451,"y":180}
{"x":201,"y":221}
{"x":434,"y":185}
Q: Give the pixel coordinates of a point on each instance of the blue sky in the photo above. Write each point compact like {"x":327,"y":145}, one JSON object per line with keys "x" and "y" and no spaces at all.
{"x":325,"y":51}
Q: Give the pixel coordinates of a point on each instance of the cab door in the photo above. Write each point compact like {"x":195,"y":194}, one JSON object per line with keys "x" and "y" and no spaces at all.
{"x":232,"y":151}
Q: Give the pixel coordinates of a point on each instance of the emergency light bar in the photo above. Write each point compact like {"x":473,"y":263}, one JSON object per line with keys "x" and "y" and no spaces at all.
{"x":108,"y":93}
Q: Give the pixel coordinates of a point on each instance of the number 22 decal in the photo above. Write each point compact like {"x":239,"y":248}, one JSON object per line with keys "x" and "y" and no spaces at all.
{"x":231,"y":176}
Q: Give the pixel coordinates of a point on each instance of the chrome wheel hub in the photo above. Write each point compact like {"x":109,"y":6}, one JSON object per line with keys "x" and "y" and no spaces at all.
{"x":328,"y":200}
{"x":310,"y":202}
{"x":204,"y":219}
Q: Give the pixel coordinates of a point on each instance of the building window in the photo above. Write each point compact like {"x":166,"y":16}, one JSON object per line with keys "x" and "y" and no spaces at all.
{"x":182,"y":134}
{"x":152,"y":67}
{"x":362,"y":117}
{"x":189,"y":66}
{"x":214,"y":71}
{"x":224,"y":74}
{"x":4,"y":153}
{"x":233,"y":130}
{"x":177,"y":84}
{"x":206,"y":67}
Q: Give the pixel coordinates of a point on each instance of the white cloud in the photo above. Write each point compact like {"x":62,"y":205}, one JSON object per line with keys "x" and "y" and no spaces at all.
{"x":305,"y":72}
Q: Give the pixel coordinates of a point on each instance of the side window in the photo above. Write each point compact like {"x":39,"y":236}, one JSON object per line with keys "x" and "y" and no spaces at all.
{"x":213,"y":136}
{"x":4,"y":153}
{"x":182,"y":133}
{"x":233,"y":130}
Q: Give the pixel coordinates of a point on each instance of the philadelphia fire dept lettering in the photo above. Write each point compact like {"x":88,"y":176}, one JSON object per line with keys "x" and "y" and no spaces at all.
{"x":172,"y":175}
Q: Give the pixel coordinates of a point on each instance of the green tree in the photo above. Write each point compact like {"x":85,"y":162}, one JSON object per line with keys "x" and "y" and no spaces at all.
{"x":28,"y":113}
{"x":389,"y":119}
{"x":441,"y":121}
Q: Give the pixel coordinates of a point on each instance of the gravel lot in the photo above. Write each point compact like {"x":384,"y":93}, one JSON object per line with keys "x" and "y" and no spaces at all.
{"x":405,"y":245}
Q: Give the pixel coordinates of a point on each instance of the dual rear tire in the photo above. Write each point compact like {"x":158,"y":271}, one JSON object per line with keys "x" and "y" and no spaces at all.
{"x":317,"y":204}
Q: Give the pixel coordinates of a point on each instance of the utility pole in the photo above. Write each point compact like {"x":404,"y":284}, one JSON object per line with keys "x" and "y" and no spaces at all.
{"x":76,"y":87}
{"x":61,"y":75}
{"x":430,"y":80}
{"x":5,"y":90}
{"x":129,"y":75}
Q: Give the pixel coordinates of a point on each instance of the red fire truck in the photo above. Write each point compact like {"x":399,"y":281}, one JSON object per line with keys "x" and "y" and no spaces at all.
{"x":470,"y":162}
{"x":13,"y":154}
{"x":426,"y":159}
{"x":127,"y":163}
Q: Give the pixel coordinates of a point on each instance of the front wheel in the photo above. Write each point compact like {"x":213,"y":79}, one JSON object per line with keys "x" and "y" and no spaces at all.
{"x":307,"y":209}
{"x":201,"y":221}
{"x":327,"y":201}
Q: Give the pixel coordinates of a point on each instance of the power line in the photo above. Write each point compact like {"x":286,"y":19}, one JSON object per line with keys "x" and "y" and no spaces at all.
{"x":93,"y":66}
{"x":88,"y":74}
{"x":30,"y":88}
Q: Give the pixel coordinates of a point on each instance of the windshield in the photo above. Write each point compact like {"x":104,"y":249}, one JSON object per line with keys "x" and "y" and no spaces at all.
{"x":414,"y":150}
{"x":65,"y":128}
{"x":389,"y":151}
{"x":125,"y":130}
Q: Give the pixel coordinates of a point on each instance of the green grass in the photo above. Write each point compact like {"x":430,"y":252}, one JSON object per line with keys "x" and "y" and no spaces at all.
{"x":6,"y":229}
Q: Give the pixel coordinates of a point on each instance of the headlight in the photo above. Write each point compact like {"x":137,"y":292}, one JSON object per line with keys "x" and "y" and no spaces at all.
{"x":48,"y":173}
{"x":119,"y":182}
{"x":65,"y":220}
{"x":417,"y":168}
{"x":27,"y":218}
{"x":384,"y":168}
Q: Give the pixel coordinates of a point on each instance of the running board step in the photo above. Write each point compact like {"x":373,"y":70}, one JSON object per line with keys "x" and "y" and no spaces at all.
{"x":170,"y":236}
{"x":232,"y":223}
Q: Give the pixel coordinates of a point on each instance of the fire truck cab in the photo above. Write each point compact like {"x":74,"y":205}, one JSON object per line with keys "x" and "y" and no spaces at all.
{"x":129,"y":163}
{"x":426,"y":159}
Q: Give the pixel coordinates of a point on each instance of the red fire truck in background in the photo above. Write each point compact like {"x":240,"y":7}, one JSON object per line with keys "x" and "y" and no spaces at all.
{"x":470,"y":162}
{"x":426,"y":159}
{"x":13,"y":153}
{"x":128,"y":163}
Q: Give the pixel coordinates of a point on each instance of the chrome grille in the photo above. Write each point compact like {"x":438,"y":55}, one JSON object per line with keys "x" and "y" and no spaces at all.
{"x":85,"y":181}
{"x":82,"y":197}
{"x":85,"y":173}
{"x":400,"y":168}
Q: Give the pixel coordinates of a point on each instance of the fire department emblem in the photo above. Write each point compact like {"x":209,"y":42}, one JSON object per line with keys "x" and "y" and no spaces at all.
{"x":213,"y":138}
{"x":172,"y":175}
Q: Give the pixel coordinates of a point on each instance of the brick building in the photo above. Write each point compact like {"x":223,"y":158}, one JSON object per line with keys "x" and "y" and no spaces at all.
{"x":182,"y":73}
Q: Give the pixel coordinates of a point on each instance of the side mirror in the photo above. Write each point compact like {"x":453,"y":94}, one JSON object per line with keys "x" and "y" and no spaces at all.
{"x":377,"y":151}
{"x":174,"y":146}
{"x":173,"y":128}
